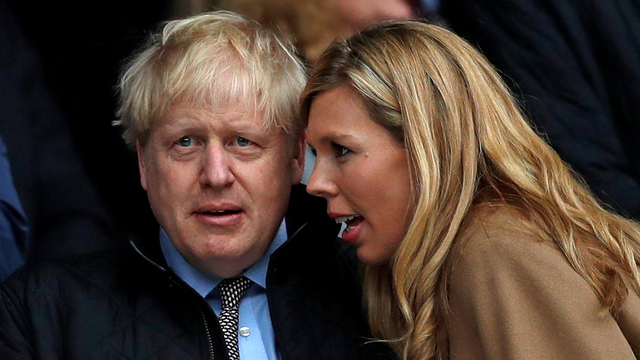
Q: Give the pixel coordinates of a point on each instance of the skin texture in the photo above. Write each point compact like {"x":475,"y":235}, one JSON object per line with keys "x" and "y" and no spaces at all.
{"x":360,"y":169}
{"x":219,"y":158}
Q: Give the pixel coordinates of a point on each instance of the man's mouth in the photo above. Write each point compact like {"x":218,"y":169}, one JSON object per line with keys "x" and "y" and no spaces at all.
{"x":220,"y":212}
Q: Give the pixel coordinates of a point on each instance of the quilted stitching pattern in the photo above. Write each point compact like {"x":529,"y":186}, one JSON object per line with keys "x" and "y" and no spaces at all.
{"x":85,"y":302}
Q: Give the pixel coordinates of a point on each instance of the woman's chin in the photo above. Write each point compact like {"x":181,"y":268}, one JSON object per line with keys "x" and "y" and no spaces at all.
{"x":372,"y":257}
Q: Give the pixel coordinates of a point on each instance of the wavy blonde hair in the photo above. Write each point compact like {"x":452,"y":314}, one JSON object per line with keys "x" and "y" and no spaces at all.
{"x":467,"y":144}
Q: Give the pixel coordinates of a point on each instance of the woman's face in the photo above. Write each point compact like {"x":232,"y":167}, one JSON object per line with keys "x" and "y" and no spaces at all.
{"x":363,"y":173}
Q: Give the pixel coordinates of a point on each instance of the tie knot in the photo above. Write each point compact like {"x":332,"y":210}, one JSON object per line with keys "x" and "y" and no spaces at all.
{"x":231,"y":290}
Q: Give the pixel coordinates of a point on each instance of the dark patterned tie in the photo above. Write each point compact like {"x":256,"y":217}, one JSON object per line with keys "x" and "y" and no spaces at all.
{"x":231,"y":290}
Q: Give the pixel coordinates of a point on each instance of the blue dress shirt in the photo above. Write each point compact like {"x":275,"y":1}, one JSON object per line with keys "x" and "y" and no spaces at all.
{"x":255,"y":319}
{"x":13,"y":222}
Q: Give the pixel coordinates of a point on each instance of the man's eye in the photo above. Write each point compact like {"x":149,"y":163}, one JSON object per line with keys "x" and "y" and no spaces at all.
{"x":185,"y":141}
{"x":243,"y":142}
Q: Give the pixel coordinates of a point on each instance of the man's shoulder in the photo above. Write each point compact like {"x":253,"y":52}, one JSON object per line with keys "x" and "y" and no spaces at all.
{"x":304,"y":208}
{"x":312,"y":234}
{"x":98,"y":305}
{"x":61,"y":277}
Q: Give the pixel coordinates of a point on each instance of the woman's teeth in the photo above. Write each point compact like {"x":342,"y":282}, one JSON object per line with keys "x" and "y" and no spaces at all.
{"x":349,"y":228}
{"x":345,"y":218}
{"x":349,"y":221}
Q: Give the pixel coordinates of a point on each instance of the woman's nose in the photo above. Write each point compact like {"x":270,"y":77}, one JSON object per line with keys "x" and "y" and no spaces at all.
{"x":320,"y":183}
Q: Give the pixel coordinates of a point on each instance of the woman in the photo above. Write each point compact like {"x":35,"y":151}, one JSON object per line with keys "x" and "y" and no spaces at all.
{"x":478,"y":242}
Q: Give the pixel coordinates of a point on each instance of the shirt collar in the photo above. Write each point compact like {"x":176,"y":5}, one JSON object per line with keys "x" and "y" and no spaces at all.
{"x":204,"y":283}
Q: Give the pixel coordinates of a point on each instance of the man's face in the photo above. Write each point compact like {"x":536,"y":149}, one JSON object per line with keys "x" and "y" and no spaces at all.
{"x":219,"y":183}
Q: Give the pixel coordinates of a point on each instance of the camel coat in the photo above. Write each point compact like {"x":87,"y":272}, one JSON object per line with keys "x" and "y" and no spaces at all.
{"x":513,"y":296}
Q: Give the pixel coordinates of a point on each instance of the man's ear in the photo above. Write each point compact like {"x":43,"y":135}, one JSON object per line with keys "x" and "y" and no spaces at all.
{"x":297,"y":162}
{"x":141,"y":165}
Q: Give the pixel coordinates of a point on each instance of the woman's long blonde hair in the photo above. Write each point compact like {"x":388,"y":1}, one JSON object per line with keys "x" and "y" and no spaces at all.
{"x":465,"y":136}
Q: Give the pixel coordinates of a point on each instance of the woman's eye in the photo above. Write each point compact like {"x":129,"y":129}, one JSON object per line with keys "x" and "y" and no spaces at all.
{"x":340,"y":150}
{"x":185,"y":141}
{"x":243,"y":142}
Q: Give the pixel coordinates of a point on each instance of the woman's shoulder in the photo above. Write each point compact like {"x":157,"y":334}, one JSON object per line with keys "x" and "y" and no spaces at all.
{"x":497,"y":230}
{"x":499,"y":242}
{"x":506,"y":274}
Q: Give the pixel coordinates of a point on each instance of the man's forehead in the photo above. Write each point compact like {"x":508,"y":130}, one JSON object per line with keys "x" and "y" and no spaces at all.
{"x":236,"y":114}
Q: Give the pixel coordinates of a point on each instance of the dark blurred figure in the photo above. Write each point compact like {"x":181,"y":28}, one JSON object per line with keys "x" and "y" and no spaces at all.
{"x":13,"y":223}
{"x":311,"y":24}
{"x":576,"y":64}
{"x":82,"y":46}
{"x":64,"y":213}
{"x":429,"y":9}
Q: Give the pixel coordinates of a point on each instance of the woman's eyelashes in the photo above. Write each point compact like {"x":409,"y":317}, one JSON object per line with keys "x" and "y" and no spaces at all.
{"x":340,"y":150}
{"x":337,"y":150}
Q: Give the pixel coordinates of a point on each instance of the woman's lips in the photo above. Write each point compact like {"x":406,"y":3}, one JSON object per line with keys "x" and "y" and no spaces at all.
{"x":352,"y":232}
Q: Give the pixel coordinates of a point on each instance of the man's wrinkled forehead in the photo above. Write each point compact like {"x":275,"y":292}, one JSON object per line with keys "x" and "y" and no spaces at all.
{"x":243,"y":109}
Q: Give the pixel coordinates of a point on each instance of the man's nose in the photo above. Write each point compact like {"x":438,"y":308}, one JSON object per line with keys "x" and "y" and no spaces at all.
{"x":216,"y":167}
{"x":320,"y":183}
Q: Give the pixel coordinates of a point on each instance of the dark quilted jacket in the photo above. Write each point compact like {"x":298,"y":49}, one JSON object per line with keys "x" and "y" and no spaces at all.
{"x":125,"y":304}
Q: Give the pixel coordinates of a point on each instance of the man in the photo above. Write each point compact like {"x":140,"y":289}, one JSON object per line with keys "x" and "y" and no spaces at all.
{"x":210,"y":106}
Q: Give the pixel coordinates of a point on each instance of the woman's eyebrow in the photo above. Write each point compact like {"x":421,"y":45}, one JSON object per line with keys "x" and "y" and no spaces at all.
{"x":334,"y":137}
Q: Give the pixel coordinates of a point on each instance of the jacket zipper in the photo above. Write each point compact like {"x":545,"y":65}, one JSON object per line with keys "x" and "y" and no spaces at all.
{"x":202,"y":312}
{"x":204,"y":319}
{"x":206,"y":328}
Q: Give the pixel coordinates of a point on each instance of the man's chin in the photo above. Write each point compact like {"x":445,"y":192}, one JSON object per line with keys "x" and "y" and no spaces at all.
{"x":225,"y":263}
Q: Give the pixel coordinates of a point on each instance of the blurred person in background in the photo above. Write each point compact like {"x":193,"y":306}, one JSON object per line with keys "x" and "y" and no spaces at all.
{"x":13,"y":223}
{"x":71,"y":95}
{"x":575,"y":65}
{"x":44,"y":182}
{"x":311,"y":25}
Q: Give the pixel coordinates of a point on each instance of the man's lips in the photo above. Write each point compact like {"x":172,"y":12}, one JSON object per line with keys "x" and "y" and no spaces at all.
{"x":219,"y":212}
{"x":218,"y":207}
{"x":219,"y":215}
